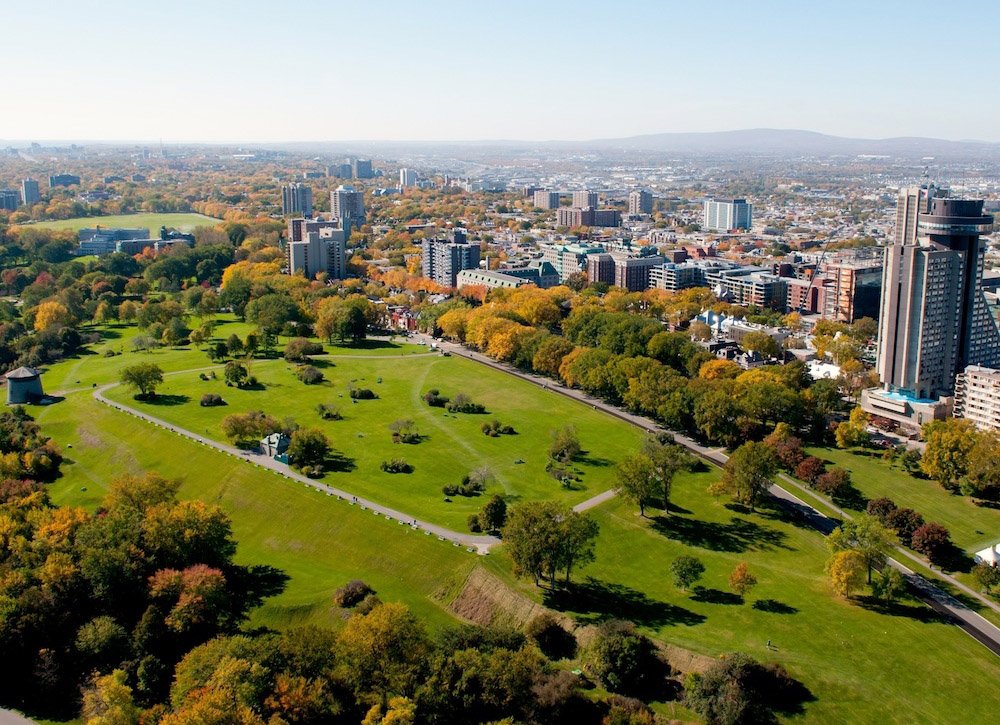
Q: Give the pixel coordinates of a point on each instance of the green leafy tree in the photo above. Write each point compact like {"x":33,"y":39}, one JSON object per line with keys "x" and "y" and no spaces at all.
{"x":889,"y":584}
{"x":748,"y":472}
{"x":546,"y":537}
{"x":494,"y":514}
{"x":236,"y":373}
{"x":866,"y":535}
{"x":949,"y":444}
{"x":686,"y":570}
{"x":143,"y":377}
{"x":308,"y":447}
{"x":637,"y":480}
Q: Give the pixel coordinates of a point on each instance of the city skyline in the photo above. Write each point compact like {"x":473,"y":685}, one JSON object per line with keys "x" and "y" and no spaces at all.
{"x":408,"y":73}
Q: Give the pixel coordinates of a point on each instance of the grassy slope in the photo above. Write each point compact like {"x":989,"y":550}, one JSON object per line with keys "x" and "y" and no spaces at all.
{"x":453,"y":444}
{"x":183,"y":222}
{"x":972,"y":527}
{"x":862,"y":665}
{"x":318,"y":541}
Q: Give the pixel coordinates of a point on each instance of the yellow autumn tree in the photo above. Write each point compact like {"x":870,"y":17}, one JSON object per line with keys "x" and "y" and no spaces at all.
{"x":52,"y":313}
{"x":847,"y":571}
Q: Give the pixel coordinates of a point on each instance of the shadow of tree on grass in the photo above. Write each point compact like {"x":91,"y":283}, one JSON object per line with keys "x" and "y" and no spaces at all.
{"x":594,"y":601}
{"x":736,"y":535}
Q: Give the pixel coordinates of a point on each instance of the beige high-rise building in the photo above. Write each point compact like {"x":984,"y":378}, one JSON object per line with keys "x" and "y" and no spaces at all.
{"x":934,"y":321}
{"x":584,"y":199}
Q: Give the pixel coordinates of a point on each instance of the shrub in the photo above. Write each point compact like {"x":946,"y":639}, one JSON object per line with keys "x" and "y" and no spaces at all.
{"x":211,"y":399}
{"x":434,"y":399}
{"x":367,"y":604}
{"x":462,"y":403}
{"x":308,"y":374}
{"x":473,"y":523}
{"x":236,"y":374}
{"x":362,"y":394}
{"x":396,"y":465}
{"x":495,"y":428}
{"x":449,"y":489}
{"x":328,"y":411}
{"x":623,"y":660}
{"x":109,"y":353}
{"x":299,"y":349}
{"x":404,"y":431}
{"x":352,"y":593}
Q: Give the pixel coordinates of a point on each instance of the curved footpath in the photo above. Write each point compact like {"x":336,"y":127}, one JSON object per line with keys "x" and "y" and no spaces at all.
{"x":975,"y":625}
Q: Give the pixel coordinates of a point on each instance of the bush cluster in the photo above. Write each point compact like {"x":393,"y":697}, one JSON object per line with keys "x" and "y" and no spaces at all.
{"x":362,"y":394}
{"x":434,"y":399}
{"x":462,"y":403}
{"x":396,"y":465}
{"x":209,"y":400}
{"x":309,"y":374}
{"x":495,"y":428}
{"x":352,"y":593}
{"x":328,"y":411}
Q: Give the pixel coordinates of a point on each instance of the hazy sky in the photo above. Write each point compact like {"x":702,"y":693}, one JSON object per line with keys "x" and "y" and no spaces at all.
{"x":546,"y":69}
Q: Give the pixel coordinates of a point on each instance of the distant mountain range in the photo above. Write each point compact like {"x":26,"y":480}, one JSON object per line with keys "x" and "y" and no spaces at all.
{"x":791,"y":141}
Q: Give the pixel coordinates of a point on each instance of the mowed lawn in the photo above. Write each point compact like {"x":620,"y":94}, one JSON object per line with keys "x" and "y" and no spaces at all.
{"x":181,"y":222}
{"x":901,"y":665}
{"x":972,"y":527}
{"x":318,"y":541}
{"x":91,"y":366}
{"x":451,"y":445}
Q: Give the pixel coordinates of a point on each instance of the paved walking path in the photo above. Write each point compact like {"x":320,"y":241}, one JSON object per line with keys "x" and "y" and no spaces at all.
{"x":9,"y":717}
{"x":479,"y":543}
{"x":595,"y":501}
{"x":970,"y":621}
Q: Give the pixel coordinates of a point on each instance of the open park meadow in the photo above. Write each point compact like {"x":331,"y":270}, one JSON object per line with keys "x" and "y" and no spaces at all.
{"x":895,"y":663}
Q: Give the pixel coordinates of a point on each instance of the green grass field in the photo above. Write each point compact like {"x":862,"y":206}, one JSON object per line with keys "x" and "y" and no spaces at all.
{"x":862,"y":662}
{"x":182,"y":222}
{"x":452,"y":445}
{"x":319,"y":541}
{"x":972,"y":527}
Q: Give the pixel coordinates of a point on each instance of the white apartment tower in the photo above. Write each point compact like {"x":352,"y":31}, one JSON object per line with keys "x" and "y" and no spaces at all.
{"x":723,"y":215}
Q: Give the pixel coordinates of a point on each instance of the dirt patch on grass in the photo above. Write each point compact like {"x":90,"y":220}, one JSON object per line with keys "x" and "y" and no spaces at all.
{"x":88,"y":439}
{"x":486,"y":600}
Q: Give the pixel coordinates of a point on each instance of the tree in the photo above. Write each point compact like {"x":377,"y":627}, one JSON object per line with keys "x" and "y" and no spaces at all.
{"x":905,"y":522}
{"x":736,"y":690}
{"x":889,"y":584}
{"x":853,"y":431}
{"x":143,"y":377}
{"x":761,"y":343}
{"x":810,"y":469}
{"x":835,"y":483}
{"x":933,"y":540}
{"x":51,"y":314}
{"x":110,"y":701}
{"x":667,"y":458}
{"x":747,"y":474}
{"x":686,"y":571}
{"x":637,"y":480}
{"x":982,"y":476}
{"x":865,"y":535}
{"x":620,"y":658}
{"x":236,"y":373}
{"x":104,"y":313}
{"x":494,"y":514}
{"x":270,"y":312}
{"x":234,"y":345}
{"x":308,"y":447}
{"x":949,"y":443}
{"x":565,"y":445}
{"x":545,"y":537}
{"x":383,"y":652}
{"x":217,"y":352}
{"x":741,"y":580}
{"x":847,"y":571}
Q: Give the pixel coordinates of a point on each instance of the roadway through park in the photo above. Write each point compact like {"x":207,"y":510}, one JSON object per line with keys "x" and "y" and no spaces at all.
{"x":971,"y":622}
